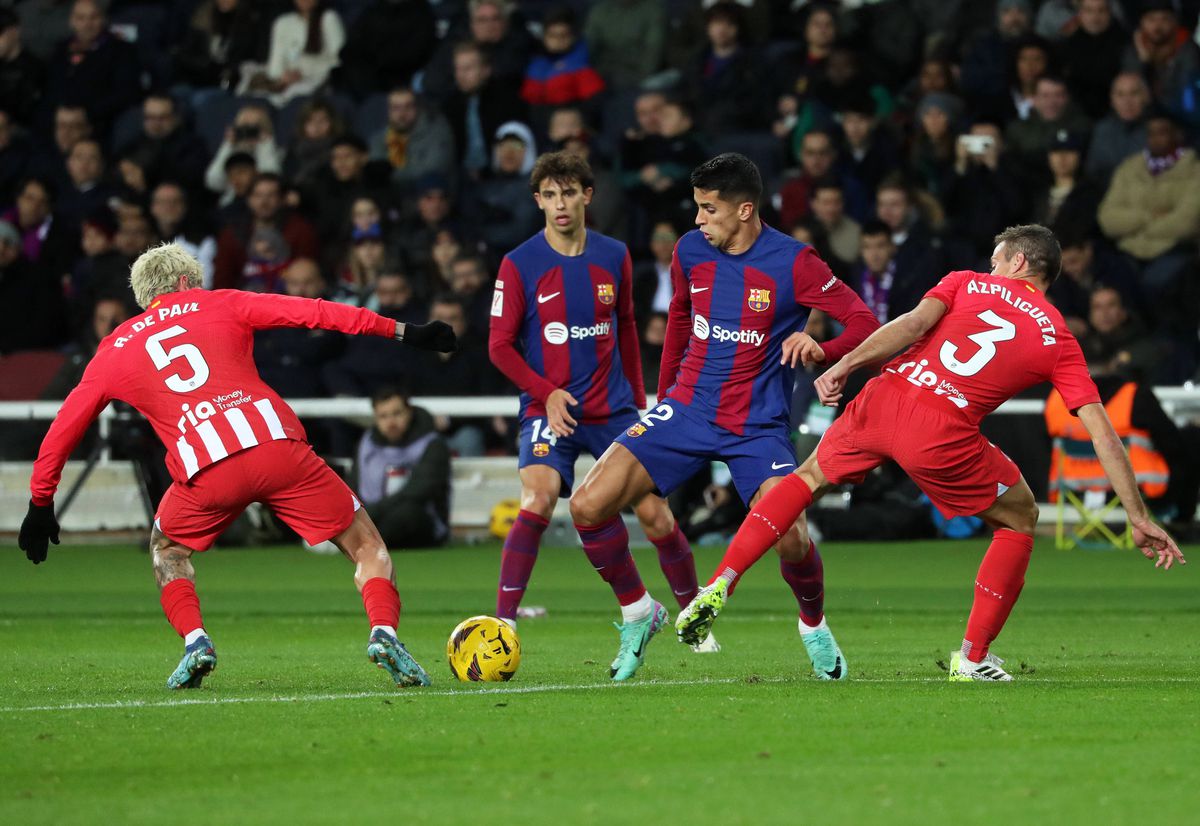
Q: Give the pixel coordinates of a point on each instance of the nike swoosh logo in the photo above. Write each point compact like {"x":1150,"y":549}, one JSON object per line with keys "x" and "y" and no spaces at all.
{"x":506,"y":588}
{"x":777,"y":465}
{"x":696,"y":289}
{"x":542,"y":299}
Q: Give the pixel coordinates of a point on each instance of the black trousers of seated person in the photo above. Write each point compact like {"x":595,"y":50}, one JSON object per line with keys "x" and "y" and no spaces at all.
{"x":405,"y":522}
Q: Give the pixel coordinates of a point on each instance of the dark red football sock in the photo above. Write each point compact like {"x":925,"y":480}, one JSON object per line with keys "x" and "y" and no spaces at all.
{"x":997,"y":586}
{"x":517,"y":560}
{"x":181,"y":605}
{"x":382,"y":601}
{"x":678,"y":565}
{"x":807,"y":579}
{"x":766,"y":522}
{"x":607,"y":548}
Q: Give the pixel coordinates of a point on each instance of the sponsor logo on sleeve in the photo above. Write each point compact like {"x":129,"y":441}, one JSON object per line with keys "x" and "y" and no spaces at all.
{"x":498,"y":301}
{"x":832,"y":280}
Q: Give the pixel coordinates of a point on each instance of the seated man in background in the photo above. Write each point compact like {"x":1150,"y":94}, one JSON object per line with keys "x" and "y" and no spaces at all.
{"x":404,"y":472}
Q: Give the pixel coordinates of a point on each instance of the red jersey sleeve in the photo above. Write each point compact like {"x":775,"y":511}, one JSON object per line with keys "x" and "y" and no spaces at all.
{"x":817,"y":287}
{"x":945,"y":290}
{"x":1070,"y":376}
{"x":77,"y":413}
{"x":508,"y":315}
{"x":679,"y":326}
{"x":263,"y":311}
{"x":627,"y":336}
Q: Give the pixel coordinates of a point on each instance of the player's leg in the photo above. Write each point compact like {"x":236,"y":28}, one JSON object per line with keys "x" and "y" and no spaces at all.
{"x":540,"y":487}
{"x":176,"y":580}
{"x":616,"y":481}
{"x":999,"y":582}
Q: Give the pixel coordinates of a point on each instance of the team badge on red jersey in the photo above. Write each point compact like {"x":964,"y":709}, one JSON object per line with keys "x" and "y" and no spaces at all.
{"x":541,"y":449}
{"x":605,"y":293}
{"x":635,"y":431}
{"x":759,"y":300}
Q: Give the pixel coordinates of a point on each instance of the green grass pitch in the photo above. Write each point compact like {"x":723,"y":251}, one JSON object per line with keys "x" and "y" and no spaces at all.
{"x":295,"y":726}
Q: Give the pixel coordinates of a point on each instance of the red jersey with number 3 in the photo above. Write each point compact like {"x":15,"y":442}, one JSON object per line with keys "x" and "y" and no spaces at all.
{"x":187,"y":364}
{"x":998,"y":337}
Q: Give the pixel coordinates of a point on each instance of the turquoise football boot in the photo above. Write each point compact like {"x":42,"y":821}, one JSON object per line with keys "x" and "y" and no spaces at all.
{"x":828,"y":662}
{"x":199,"y":660}
{"x":635,"y":636}
{"x":389,"y":653}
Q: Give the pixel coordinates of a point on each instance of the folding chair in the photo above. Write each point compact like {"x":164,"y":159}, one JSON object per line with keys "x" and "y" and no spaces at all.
{"x":1092,"y":530}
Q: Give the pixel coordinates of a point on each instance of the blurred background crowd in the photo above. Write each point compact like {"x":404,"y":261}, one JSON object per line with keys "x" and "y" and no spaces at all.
{"x":376,"y":152}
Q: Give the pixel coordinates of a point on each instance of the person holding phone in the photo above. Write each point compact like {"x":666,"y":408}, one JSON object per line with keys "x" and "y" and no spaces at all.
{"x":251,"y":132}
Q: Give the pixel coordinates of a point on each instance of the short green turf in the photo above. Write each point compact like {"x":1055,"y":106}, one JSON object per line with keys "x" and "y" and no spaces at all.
{"x":295,"y":726}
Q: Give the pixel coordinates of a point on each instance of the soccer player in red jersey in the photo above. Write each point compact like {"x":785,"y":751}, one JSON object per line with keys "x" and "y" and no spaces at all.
{"x":976,"y":340}
{"x":186,"y":364}
{"x":563,"y":331}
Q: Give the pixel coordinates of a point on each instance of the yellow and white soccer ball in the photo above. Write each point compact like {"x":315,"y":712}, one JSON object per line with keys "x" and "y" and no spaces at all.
{"x":504,"y":514}
{"x":483,"y":649}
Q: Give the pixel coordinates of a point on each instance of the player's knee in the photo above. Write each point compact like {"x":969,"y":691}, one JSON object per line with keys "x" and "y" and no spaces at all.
{"x":541,"y":502}
{"x":656,"y":518}
{"x":586,"y":507}
{"x":1028,"y":516}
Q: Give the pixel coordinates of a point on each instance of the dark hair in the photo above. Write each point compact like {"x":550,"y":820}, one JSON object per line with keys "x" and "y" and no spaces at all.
{"x":561,"y":167}
{"x":8,"y":19}
{"x":449,"y":298}
{"x":875,"y":227}
{"x":269,"y":176}
{"x":1039,"y":246}
{"x":733,"y":176}
{"x":389,"y":391}
{"x":560,"y":15}
{"x":827,"y":182}
{"x":728,"y":11}
{"x":351,"y":140}
{"x":45,"y":183}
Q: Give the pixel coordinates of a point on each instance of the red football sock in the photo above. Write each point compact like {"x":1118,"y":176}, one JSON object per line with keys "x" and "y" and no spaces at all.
{"x":382,"y":602}
{"x":516,"y":561}
{"x":181,"y":605}
{"x":766,"y":522}
{"x":997,"y":586}
{"x":678,"y":565}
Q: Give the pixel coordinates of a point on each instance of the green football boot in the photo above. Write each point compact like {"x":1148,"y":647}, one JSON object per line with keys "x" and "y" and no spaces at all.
{"x":695,"y":621}
{"x":389,"y":653}
{"x":828,"y":661}
{"x":199,"y":659}
{"x":635,"y":636}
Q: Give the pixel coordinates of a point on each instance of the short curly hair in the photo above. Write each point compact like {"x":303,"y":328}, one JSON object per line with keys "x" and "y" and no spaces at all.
{"x":561,"y":167}
{"x":157,"y":271}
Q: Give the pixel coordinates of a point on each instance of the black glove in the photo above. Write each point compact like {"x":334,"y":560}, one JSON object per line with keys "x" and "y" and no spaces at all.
{"x":39,"y":528}
{"x":436,"y":335}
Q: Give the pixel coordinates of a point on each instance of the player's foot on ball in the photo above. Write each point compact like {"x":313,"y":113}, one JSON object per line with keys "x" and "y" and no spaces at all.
{"x":828,"y":662}
{"x":389,"y":653}
{"x":199,"y":659}
{"x":987,"y":670}
{"x":635,"y":636}
{"x":695,"y":621}
{"x":708,"y":645}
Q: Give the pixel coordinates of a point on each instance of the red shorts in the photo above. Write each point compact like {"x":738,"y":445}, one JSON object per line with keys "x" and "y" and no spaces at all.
{"x":284,"y":475}
{"x":949,"y":459}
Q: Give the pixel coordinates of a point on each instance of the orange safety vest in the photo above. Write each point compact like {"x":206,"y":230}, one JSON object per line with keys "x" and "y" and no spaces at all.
{"x":1075,"y":457}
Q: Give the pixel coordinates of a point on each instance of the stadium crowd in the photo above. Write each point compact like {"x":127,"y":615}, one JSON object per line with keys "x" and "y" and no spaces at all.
{"x":376,"y":152}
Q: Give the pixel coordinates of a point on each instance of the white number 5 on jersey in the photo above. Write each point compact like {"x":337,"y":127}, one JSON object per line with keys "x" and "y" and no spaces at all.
{"x":188,"y":352}
{"x":1002,"y":330}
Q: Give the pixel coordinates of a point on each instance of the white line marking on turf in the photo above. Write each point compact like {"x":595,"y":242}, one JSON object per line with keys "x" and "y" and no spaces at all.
{"x":413,"y":693}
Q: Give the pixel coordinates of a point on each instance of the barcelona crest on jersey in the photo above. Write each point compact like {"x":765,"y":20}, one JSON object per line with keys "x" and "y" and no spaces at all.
{"x":605,"y":293}
{"x":759,"y":300}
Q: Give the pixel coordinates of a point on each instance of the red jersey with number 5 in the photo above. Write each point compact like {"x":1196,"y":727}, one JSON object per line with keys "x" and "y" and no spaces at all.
{"x":998,"y":337}
{"x":186,"y":363}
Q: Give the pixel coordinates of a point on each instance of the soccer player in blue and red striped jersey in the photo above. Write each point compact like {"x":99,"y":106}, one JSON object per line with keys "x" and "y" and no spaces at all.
{"x":563,"y":331}
{"x":742,"y":296}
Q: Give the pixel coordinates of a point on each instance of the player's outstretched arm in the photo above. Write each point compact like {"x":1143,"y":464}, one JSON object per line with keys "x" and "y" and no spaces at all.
{"x":1154,"y":542}
{"x":436,"y":335}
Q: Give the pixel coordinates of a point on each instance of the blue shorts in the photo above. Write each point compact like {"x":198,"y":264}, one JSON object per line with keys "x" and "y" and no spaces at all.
{"x":673,"y":443}
{"x":538,"y":446}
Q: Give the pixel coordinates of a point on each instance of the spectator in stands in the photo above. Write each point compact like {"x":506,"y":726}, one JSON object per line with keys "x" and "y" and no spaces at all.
{"x":1117,"y":342}
{"x":93,"y":68}
{"x":365,"y":260}
{"x":1053,"y":111}
{"x":240,"y":172}
{"x":1031,"y":64}
{"x":664,"y":190}
{"x":986,"y":195}
{"x":887,"y":289}
{"x":333,"y":190}
{"x":16,"y":156}
{"x":44,"y":239}
{"x":797,"y":75}
{"x":1152,"y":208}
{"x":870,"y":152}
{"x":916,"y":258}
{"x":1122,"y":132}
{"x":1086,"y":266}
{"x":469,"y":283}
{"x":1090,"y":57}
{"x":266,"y":211}
{"x":491,"y":27}
{"x":30,"y":298}
{"x":561,"y":72}
{"x":1069,"y":198}
{"x":71,"y":125}
{"x":936,"y":75}
{"x":100,"y":271}
{"x":932,"y":156}
{"x":318,"y":125}
{"x":22,"y":76}
{"x":365,"y":365}
{"x":404,"y":473}
{"x":845,"y":78}
{"x":166,"y":148}
{"x":608,"y":212}
{"x":653,"y":339}
{"x":134,"y":233}
{"x":290,"y":359}
{"x":418,"y":232}
{"x":639,"y":143}
{"x":988,"y":55}
{"x":1162,"y":53}
{"x":417,"y":141}
{"x":175,"y":220}
{"x":86,"y":190}
{"x":828,"y":208}
{"x":500,"y":205}
{"x":107,"y":314}
{"x":389,"y":42}
{"x":625,"y":38}
{"x":304,"y":49}
{"x":477,"y":107}
{"x":652,"y":285}
{"x":221,"y":36}
{"x":818,"y":161}
{"x":728,"y":78}
{"x":253,"y":133}
{"x":44,"y":23}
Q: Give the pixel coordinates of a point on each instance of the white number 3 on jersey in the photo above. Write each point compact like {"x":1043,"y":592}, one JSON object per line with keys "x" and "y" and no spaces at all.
{"x":1002,"y":330}
{"x":188,"y":352}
